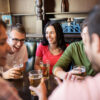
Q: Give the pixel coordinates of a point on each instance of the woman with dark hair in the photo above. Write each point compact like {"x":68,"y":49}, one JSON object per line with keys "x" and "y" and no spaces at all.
{"x":52,"y":46}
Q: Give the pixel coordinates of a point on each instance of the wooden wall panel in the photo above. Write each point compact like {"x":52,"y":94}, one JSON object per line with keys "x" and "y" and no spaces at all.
{"x":81,"y":5}
{"x":4,"y":6}
{"x":74,"y":5}
{"x":22,"y":6}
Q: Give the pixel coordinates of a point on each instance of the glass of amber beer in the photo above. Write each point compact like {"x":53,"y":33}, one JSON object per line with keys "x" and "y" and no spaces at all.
{"x":80,"y":69}
{"x":35,"y":79}
{"x":45,"y":69}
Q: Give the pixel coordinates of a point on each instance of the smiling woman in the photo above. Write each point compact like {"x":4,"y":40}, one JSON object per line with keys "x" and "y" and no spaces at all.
{"x":52,"y":46}
{"x":51,"y":35}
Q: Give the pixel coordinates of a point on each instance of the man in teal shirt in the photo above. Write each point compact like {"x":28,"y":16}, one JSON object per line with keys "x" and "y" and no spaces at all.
{"x":75,"y":54}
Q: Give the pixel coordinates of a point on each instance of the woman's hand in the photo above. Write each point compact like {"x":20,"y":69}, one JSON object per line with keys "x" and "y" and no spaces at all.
{"x":13,"y":73}
{"x":41,"y":90}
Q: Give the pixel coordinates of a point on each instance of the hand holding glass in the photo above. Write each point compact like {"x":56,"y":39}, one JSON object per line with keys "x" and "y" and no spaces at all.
{"x":35,"y":79}
{"x":79,"y":70}
{"x":20,"y":66}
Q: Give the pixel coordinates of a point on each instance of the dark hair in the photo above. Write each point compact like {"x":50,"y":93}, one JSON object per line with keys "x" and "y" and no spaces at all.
{"x":18,"y":27}
{"x":59,"y":35}
{"x":84,"y":23}
{"x":3,"y":24}
{"x":94,"y":21}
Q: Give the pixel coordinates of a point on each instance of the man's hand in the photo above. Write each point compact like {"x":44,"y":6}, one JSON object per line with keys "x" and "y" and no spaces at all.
{"x":77,"y":74}
{"x":13,"y":73}
{"x":41,"y":90}
{"x":70,"y":76}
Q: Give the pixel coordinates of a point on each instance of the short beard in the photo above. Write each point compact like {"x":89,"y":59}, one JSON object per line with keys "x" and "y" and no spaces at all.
{"x":96,"y":66}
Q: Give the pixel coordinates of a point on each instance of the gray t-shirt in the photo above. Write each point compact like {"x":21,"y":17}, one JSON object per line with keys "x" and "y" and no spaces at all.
{"x":19,"y":57}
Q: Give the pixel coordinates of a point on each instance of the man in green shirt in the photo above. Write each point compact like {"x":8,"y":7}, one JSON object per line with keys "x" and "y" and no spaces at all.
{"x":75,"y":53}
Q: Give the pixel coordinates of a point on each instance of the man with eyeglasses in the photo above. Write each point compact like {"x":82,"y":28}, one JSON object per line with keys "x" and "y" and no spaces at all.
{"x":17,"y":57}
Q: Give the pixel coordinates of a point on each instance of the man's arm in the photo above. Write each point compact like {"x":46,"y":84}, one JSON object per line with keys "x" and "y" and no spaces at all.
{"x":70,"y":90}
{"x":59,"y":72}
{"x":63,"y":63}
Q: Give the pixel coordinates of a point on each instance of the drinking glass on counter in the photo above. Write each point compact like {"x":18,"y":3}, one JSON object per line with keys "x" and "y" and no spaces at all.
{"x":45,"y":69}
{"x":35,"y":79}
{"x":80,"y":70}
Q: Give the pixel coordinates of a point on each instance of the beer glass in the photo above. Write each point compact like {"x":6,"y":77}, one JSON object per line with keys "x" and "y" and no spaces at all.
{"x":48,"y":68}
{"x":35,"y":79}
{"x":45,"y":69}
{"x":20,"y":65}
{"x":80,"y":69}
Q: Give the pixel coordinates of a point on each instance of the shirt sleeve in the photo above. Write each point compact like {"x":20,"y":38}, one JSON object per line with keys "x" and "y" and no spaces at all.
{"x":39,"y":52}
{"x":78,"y":90}
{"x":65,"y":59}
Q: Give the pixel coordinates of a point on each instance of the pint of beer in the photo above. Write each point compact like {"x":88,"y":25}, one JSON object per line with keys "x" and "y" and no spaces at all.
{"x":80,"y":69}
{"x":19,"y":65}
{"x":45,"y":69}
{"x":35,"y":79}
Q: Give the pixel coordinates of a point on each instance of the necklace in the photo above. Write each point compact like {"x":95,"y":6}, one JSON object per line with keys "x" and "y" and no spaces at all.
{"x":56,"y":51}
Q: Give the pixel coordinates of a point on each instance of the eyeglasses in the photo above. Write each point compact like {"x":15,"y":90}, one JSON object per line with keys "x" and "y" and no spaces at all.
{"x":17,"y":40}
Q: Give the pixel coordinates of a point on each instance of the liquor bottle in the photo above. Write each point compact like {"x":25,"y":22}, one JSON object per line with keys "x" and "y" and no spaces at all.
{"x":62,"y":5}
